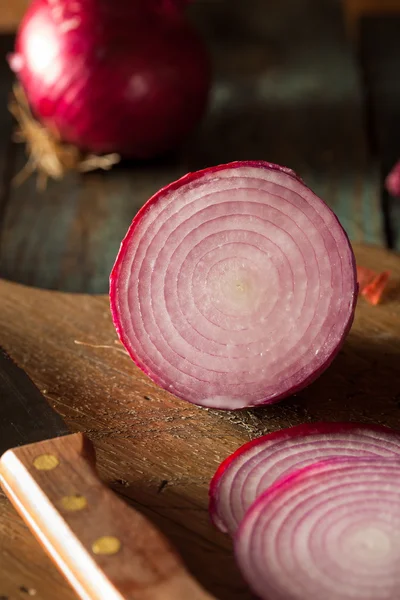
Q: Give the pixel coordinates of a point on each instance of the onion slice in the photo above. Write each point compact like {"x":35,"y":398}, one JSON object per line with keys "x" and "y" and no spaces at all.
{"x":255,"y":466}
{"x":329,"y":531}
{"x":234,"y":286}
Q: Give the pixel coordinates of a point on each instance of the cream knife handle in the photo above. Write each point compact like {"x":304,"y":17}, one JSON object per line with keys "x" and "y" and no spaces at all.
{"x":105,"y":549}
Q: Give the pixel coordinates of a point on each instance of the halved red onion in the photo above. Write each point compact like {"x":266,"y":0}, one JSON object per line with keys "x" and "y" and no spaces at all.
{"x":330,"y":531}
{"x":234,"y":286}
{"x":255,"y":466}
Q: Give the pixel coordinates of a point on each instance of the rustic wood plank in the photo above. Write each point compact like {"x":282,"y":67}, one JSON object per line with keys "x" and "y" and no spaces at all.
{"x":11,"y":13}
{"x":6,"y":158}
{"x":68,"y":237}
{"x":380,"y":55}
{"x":25,"y":569}
{"x":286,"y":89}
{"x":159,"y":452}
{"x":354,"y":10}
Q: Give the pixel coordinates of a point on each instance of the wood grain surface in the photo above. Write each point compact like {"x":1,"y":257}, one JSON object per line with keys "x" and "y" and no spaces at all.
{"x":380,"y":57}
{"x":11,"y":13}
{"x":355,"y":10}
{"x":105,"y":549}
{"x":159,"y":452}
{"x":286,"y":89}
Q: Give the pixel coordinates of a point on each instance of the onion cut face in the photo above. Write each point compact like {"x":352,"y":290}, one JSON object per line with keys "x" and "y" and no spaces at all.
{"x":329,"y":531}
{"x":257,"y":465}
{"x":234,"y":286}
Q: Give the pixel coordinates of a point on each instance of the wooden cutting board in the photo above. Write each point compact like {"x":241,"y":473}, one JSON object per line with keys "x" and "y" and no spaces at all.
{"x":159,"y":452}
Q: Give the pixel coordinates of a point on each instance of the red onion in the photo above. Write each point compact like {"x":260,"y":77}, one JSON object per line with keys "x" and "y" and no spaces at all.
{"x":234,"y":286}
{"x":393,"y":180}
{"x":254,"y":467}
{"x":330,"y":531}
{"x":129,"y":76}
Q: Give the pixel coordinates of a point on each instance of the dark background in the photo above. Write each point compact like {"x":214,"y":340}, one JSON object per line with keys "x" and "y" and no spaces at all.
{"x":310,"y":84}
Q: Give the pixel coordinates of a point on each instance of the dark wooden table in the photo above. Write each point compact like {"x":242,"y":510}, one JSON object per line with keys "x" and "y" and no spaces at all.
{"x":289,"y":87}
{"x":158,"y":452}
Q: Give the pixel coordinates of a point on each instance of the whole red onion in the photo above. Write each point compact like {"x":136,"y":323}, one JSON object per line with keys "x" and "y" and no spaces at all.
{"x":393,"y":181}
{"x":129,"y":76}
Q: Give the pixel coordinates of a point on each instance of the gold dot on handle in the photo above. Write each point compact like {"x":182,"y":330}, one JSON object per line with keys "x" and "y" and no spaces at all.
{"x":46,"y":462}
{"x":107,"y":544}
{"x":74,"y":503}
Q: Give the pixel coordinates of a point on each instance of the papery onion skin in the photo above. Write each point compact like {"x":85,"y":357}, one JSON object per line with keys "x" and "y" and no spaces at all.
{"x":257,"y":175}
{"x":130,"y":77}
{"x":247,"y":473}
{"x":329,"y":531}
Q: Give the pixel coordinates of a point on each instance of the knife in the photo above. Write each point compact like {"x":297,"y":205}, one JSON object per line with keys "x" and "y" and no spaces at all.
{"x":105,"y":549}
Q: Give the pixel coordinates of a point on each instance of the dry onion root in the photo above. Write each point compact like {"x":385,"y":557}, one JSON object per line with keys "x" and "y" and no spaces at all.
{"x":47,"y":154}
{"x":234,"y":286}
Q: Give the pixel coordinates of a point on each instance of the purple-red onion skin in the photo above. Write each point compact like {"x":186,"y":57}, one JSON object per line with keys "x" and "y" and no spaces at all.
{"x":392,"y":182}
{"x":130,"y":77}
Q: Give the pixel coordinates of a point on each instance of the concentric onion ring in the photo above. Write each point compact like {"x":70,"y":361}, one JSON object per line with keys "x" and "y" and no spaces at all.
{"x":330,"y":531}
{"x":234,"y":286}
{"x":255,"y":466}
